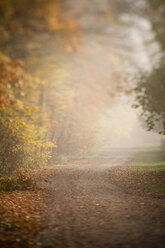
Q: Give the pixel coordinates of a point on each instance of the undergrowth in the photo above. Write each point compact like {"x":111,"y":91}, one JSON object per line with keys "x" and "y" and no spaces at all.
{"x":21,"y":180}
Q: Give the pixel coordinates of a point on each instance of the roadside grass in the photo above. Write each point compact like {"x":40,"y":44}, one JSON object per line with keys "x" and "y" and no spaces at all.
{"x":150,"y":166}
{"x":152,"y":163}
{"x":154,"y":188}
{"x":150,"y":160}
{"x":150,"y":156}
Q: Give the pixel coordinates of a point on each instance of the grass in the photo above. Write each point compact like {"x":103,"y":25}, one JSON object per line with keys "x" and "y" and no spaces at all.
{"x":150,"y":160}
{"x":154,"y":188}
{"x":152,"y":163}
{"x":159,"y":166}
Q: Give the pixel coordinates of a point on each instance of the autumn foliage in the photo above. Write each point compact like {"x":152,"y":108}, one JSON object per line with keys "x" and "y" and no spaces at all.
{"x":25,"y":18}
{"x":37,"y":119}
{"x":22,"y":133}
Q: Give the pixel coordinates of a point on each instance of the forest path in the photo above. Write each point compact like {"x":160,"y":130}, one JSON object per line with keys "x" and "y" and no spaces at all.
{"x":87,"y":210}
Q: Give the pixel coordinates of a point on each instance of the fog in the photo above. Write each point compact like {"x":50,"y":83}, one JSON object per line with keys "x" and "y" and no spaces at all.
{"x":91,"y":70}
{"x":118,"y":42}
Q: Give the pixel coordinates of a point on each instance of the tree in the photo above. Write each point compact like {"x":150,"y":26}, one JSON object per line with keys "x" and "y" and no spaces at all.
{"x":150,"y":98}
{"x":22,"y":133}
{"x":150,"y":89}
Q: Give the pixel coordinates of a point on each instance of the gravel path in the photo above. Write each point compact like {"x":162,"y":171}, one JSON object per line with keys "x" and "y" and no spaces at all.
{"x":87,"y":210}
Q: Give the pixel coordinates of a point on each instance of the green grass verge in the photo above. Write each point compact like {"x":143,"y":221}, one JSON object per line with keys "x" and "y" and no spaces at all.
{"x":159,"y":166}
{"x":154,"y":188}
{"x":150,"y":160}
{"x":153,"y":164}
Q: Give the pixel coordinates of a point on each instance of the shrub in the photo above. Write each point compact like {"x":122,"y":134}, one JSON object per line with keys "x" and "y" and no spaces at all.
{"x":20,"y":181}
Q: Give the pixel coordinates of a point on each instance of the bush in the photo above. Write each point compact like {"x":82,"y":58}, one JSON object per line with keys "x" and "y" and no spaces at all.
{"x":20,"y":181}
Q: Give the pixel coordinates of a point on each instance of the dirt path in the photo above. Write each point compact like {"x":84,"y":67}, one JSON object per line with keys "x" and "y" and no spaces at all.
{"x":87,"y":210}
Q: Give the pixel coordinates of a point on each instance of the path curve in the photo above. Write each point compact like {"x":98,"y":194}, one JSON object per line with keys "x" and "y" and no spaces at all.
{"x":87,"y":211}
